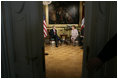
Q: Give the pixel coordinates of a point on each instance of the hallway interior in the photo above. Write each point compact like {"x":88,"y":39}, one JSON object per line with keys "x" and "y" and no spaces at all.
{"x":64,"y":61}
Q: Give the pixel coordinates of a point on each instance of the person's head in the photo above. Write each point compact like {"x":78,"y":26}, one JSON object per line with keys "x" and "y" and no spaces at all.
{"x":53,"y":27}
{"x":73,"y":27}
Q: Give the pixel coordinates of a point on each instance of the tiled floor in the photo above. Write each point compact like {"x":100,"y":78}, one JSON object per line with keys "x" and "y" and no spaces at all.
{"x":64,"y":61}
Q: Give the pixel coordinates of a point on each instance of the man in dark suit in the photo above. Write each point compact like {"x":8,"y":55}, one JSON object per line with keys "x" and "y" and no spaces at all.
{"x":53,"y":34}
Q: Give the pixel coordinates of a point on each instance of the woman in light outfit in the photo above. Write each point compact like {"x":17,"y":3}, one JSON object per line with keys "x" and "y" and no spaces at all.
{"x":74,"y":34}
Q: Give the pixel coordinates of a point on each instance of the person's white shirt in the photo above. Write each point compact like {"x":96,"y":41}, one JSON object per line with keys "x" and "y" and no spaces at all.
{"x":54,"y":31}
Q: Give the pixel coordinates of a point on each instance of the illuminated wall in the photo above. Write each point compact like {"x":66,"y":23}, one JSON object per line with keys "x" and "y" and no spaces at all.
{"x":60,"y":27}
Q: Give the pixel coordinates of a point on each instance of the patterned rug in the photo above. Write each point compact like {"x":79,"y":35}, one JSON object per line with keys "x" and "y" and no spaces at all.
{"x":64,"y":61}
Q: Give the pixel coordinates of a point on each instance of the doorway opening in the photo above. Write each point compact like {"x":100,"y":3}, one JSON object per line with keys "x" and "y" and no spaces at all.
{"x":64,"y":60}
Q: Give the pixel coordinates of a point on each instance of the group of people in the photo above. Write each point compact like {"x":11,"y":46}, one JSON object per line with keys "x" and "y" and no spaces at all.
{"x":74,"y":34}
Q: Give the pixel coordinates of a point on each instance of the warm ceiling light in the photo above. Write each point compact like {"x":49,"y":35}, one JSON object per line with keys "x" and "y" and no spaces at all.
{"x":46,"y":2}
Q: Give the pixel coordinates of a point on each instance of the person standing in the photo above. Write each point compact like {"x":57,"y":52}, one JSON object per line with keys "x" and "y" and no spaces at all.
{"x":81,"y":33}
{"x":74,"y":34}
